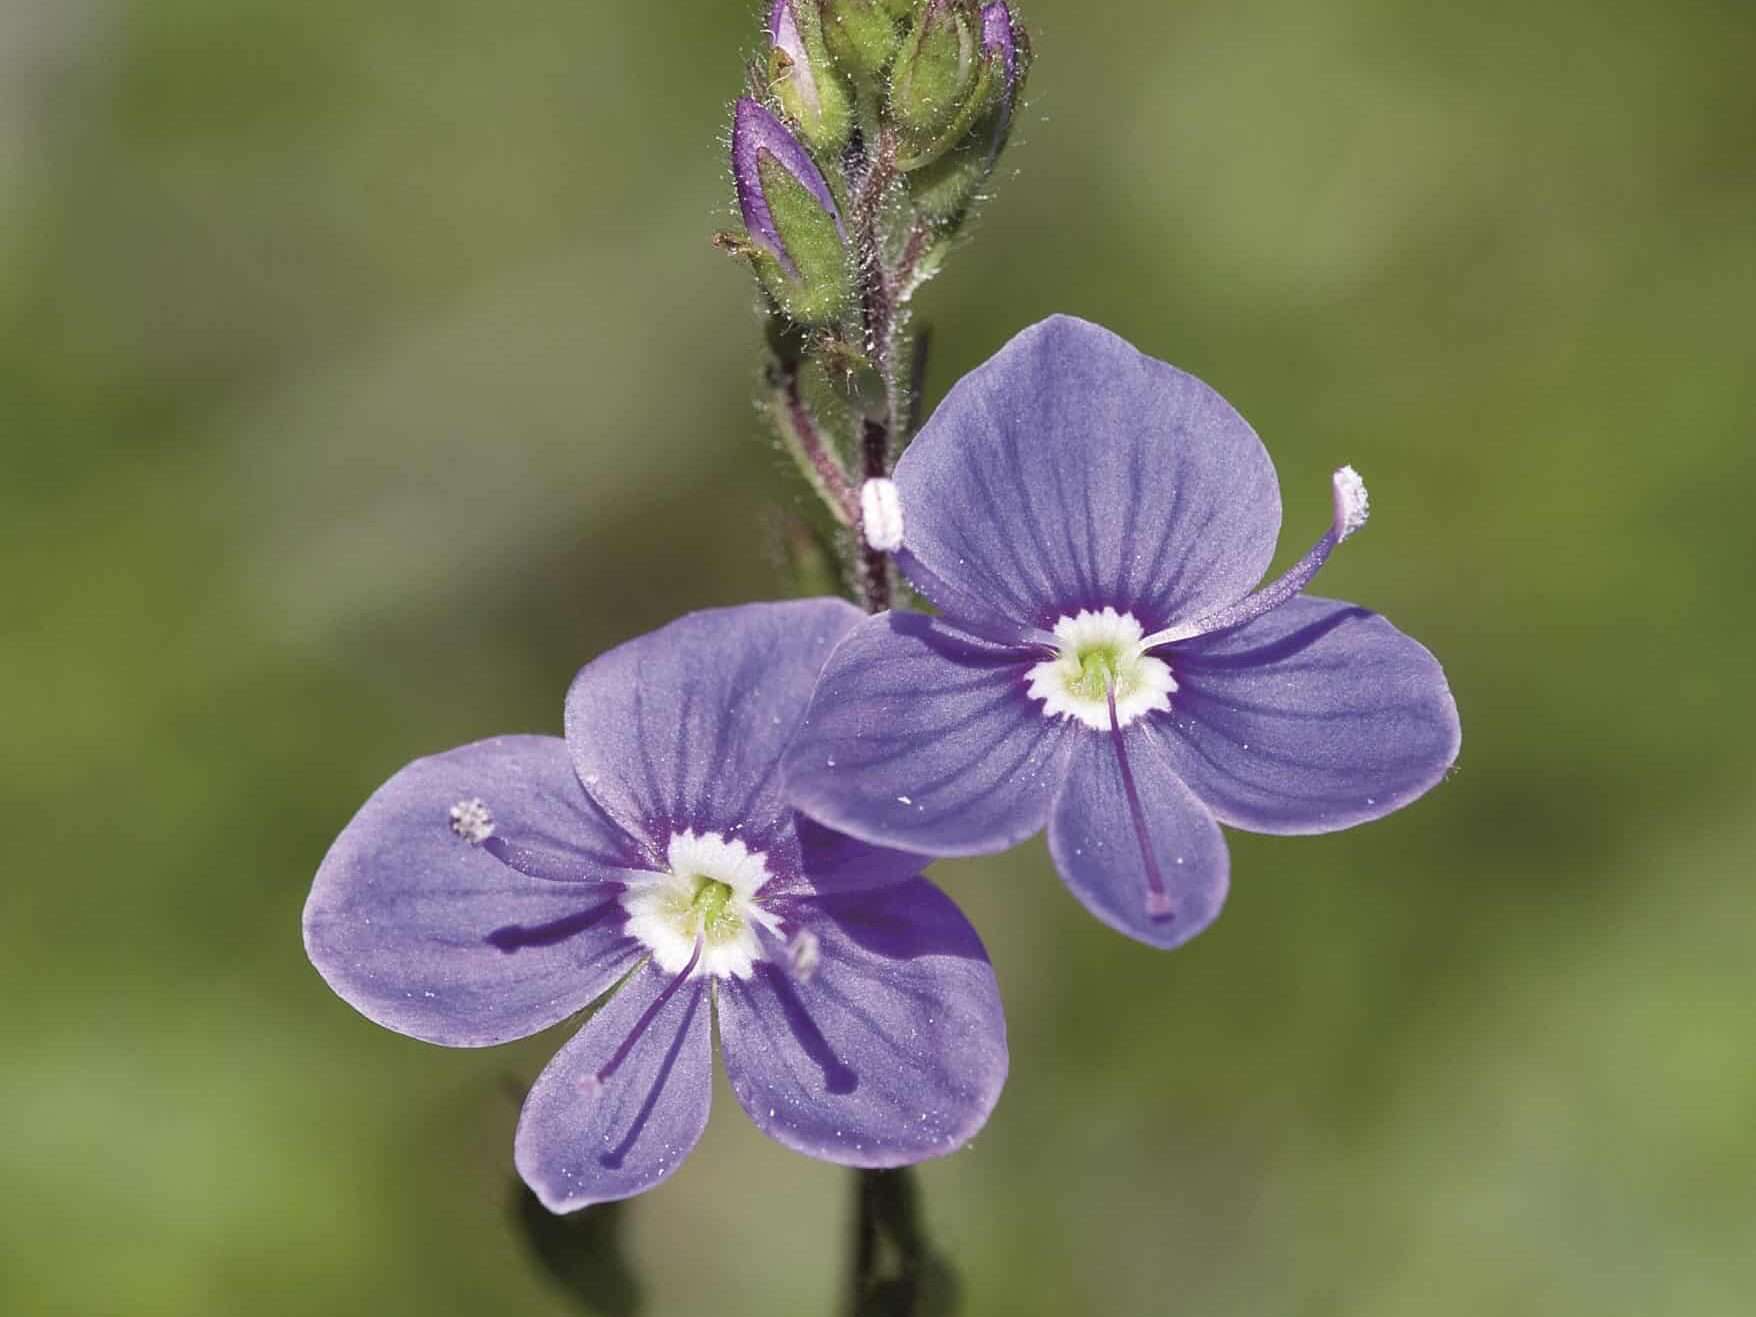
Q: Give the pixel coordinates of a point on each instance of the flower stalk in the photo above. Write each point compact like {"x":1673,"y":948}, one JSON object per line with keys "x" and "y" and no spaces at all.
{"x":857,"y":154}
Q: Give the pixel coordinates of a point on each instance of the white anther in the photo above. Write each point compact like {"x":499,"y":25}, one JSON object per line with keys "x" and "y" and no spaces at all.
{"x":881,"y":514}
{"x":472,"y":820}
{"x":1351,"y":503}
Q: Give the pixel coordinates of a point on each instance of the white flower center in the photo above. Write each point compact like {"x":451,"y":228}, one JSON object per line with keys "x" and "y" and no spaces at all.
{"x":1100,"y":651}
{"x":710,"y":894}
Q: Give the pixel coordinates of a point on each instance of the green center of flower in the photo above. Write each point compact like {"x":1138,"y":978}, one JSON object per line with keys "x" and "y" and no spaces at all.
{"x":1100,"y":667}
{"x":1100,"y":653}
{"x":711,"y":905}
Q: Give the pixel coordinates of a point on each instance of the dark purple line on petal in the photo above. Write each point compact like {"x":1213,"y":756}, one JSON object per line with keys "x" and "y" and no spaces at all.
{"x":1158,"y":901}
{"x":966,"y":612}
{"x":837,"y":1077}
{"x":516,"y":937}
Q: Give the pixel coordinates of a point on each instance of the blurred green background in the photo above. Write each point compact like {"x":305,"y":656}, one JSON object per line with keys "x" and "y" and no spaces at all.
{"x":365,"y":368}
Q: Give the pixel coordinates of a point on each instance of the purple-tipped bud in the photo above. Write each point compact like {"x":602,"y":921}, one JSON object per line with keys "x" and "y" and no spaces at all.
{"x":802,"y":77}
{"x":790,"y":215}
{"x":997,"y":37}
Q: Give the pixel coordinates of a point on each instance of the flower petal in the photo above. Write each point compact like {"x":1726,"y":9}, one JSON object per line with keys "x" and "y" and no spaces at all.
{"x":922,"y":737}
{"x":1072,"y":472}
{"x":683,"y":728}
{"x":835,"y":862}
{"x":429,"y":935}
{"x":892,"y":1051}
{"x":1098,"y":849}
{"x":580,"y":1143}
{"x":1317,"y":715}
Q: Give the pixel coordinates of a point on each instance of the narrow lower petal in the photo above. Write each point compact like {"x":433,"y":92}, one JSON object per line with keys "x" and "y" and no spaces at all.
{"x":1101,"y":847}
{"x":1072,"y":472}
{"x":682,"y":729}
{"x":891,"y":1051}
{"x":580,"y":1141}
{"x":420,"y":928}
{"x":923,"y":738}
{"x":1316,"y":716}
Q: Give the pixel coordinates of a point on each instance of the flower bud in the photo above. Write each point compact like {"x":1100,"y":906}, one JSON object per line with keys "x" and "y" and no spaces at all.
{"x":945,"y":187}
{"x":801,"y":77}
{"x":796,"y":239}
{"x":862,"y":35}
{"x":937,"y":68}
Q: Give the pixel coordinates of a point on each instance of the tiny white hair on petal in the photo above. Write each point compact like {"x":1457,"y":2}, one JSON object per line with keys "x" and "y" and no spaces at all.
{"x":1351,"y":503}
{"x":472,"y":820}
{"x":881,"y":514}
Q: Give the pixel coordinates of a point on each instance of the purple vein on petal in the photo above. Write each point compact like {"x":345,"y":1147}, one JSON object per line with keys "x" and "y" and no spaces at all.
{"x":516,"y":937}
{"x":1158,"y":900}
{"x":966,"y":612}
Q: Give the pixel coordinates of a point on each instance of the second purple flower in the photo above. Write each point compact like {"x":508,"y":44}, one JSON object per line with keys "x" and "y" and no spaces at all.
{"x":487,"y":893}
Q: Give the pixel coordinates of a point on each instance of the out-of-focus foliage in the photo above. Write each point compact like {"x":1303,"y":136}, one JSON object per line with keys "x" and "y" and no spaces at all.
{"x":365,"y":368}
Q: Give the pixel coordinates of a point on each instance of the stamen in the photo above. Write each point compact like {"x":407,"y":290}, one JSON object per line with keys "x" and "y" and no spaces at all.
{"x":550,"y":866}
{"x":967,"y":612}
{"x":1158,"y":900}
{"x":592,"y":1085}
{"x":1350,"y":504}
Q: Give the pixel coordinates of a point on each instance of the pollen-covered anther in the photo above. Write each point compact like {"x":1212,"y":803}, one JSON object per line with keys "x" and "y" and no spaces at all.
{"x":1100,"y":654}
{"x":1351,"y":502}
{"x":881,"y":514}
{"x":472,"y":820}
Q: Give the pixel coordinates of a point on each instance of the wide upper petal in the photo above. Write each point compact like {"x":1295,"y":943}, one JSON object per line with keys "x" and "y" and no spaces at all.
{"x":1072,"y":472}
{"x":1101,"y":854}
{"x":1315,"y":716}
{"x":922,"y":737}
{"x":428,"y":934}
{"x":891,"y":1051}
{"x":579,"y":1142}
{"x":682,"y":729}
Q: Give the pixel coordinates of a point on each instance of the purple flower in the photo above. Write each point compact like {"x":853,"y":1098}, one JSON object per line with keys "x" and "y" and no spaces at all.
{"x":489,"y":892}
{"x":1091,"y":522}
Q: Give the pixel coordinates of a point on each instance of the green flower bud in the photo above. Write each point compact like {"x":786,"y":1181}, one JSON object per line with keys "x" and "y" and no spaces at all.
{"x":862,"y":35}
{"x":944,"y":188}
{"x":802,"y":78}
{"x":796,"y":240}
{"x":937,"y":69}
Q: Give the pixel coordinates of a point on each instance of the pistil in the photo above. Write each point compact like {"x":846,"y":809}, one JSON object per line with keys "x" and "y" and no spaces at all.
{"x":593,"y":1084}
{"x":1158,"y":900}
